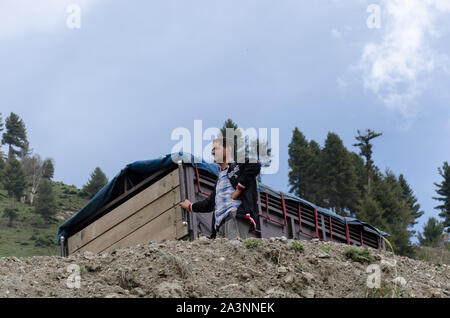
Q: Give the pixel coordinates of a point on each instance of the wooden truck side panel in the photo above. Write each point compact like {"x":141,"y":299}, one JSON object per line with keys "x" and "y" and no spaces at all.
{"x":155,"y":203}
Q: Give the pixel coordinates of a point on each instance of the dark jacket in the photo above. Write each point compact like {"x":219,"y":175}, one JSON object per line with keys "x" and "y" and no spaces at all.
{"x":242,"y":175}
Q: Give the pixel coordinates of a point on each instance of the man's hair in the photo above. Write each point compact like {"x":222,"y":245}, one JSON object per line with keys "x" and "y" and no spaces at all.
{"x":225,"y":142}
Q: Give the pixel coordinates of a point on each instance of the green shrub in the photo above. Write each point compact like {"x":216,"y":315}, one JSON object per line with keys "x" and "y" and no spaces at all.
{"x":252,"y":243}
{"x":44,"y":241}
{"x":11,"y":214}
{"x":384,"y":292}
{"x":356,"y":255}
{"x":325,"y":248}
{"x":297,"y":246}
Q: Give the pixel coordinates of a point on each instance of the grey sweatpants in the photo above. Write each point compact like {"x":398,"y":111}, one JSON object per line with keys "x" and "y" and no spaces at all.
{"x":233,"y":227}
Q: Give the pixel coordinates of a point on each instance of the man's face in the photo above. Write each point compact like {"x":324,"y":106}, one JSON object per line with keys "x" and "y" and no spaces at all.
{"x":219,"y":152}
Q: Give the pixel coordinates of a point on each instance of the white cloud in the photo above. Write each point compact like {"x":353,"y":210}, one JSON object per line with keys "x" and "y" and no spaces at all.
{"x":18,"y":17}
{"x":396,"y":67}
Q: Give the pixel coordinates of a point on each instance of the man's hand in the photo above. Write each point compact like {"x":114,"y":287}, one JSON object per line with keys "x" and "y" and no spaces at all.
{"x":185,"y":205}
{"x":236,"y":194}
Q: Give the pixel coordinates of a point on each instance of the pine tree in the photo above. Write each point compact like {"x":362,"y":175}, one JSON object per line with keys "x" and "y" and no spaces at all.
{"x":299,"y":158}
{"x":1,"y":123}
{"x":443,"y":190}
{"x":49,"y":169}
{"x":14,"y":180}
{"x":370,"y":211}
{"x":397,"y":214}
{"x":96,"y":182}
{"x":45,"y":204}
{"x":366,"y":151}
{"x":304,"y":174}
{"x":411,"y":200}
{"x":338,"y":176}
{"x":11,"y":214}
{"x":360,"y":170}
{"x":433,"y":233}
{"x":25,"y":151}
{"x":2,"y":168}
{"x":15,"y":136}
{"x":316,"y":191}
{"x":2,"y":161}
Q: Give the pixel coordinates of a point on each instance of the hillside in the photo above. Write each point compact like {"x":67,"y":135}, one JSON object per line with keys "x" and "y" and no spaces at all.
{"x":433,"y":255}
{"x":30,"y":234}
{"x":224,"y":268}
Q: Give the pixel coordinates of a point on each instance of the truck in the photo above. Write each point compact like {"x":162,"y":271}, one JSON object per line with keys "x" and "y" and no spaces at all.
{"x":140,"y":205}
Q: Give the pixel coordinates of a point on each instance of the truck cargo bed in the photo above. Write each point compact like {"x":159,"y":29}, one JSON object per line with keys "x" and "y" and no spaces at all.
{"x":149,"y":211}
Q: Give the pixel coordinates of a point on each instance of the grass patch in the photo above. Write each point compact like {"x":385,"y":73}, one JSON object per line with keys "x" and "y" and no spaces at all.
{"x":356,"y":255}
{"x":252,"y":243}
{"x":325,"y":248}
{"x":383,"y":292}
{"x":31,"y":235}
{"x":68,"y":197}
{"x":24,"y":241}
{"x":297,"y":246}
{"x":435,"y":255}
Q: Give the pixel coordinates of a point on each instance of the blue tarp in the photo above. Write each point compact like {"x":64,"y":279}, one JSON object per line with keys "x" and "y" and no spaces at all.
{"x":111,"y":190}
{"x":148,"y":167}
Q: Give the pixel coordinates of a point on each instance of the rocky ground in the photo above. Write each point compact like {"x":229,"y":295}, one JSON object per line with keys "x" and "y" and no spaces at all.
{"x":224,"y":268}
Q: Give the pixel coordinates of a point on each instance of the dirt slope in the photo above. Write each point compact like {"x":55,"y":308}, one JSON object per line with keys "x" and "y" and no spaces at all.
{"x":222,"y":268}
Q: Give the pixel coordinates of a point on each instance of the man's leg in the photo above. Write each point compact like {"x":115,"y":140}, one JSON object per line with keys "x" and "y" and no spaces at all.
{"x":243,"y":228}
{"x":234,"y":227}
{"x":221,"y":232}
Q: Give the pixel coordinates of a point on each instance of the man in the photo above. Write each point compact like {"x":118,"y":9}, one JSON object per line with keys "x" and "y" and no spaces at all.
{"x":234,"y":198}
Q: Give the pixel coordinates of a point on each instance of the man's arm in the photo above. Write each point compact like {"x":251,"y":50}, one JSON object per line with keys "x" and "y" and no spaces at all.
{"x":204,"y":206}
{"x":249,"y":172}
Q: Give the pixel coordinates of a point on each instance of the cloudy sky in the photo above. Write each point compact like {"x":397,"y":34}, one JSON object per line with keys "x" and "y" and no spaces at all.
{"x":112,"y":91}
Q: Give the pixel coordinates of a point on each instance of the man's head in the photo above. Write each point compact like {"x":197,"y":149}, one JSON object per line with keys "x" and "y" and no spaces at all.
{"x":222,"y":149}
